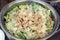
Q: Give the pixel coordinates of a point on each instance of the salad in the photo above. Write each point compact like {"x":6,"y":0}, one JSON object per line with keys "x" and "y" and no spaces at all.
{"x":29,"y":21}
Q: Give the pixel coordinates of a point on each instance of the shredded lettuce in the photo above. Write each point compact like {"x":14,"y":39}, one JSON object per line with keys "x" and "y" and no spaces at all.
{"x":49,"y":26}
{"x":23,"y":7}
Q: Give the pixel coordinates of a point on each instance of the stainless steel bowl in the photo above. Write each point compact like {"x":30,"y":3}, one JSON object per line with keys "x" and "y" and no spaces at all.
{"x":10,"y":5}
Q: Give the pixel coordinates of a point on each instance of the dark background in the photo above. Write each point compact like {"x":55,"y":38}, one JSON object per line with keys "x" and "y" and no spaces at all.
{"x":56,"y":5}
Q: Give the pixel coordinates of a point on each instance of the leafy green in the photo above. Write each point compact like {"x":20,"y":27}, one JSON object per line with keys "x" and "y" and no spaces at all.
{"x":49,"y":25}
{"x":15,"y":9}
{"x":48,"y":13}
{"x":23,"y":7}
{"x":35,"y":7}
